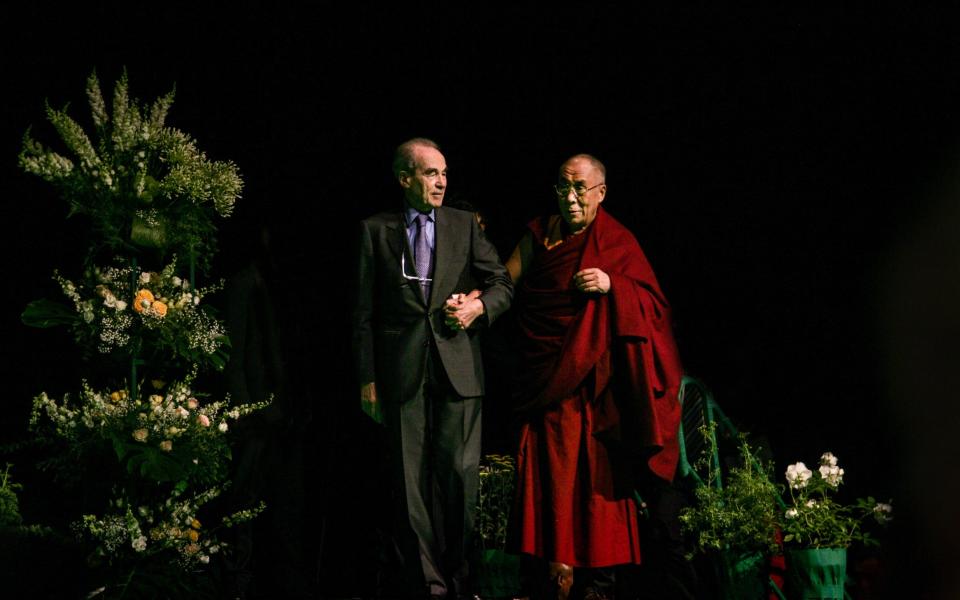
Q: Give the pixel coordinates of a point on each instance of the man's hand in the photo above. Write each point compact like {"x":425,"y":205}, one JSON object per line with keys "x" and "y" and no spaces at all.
{"x":592,"y":280}
{"x":368,"y":402}
{"x":463,"y":309}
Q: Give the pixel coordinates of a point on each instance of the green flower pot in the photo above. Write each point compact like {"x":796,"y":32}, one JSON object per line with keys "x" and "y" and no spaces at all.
{"x":743,"y":576}
{"x":816,"y":573}
{"x":498,"y":574}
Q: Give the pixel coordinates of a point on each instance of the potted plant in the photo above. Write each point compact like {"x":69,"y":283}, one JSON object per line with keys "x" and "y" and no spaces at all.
{"x":498,"y":572}
{"x":734,"y":518}
{"x":817,"y":530}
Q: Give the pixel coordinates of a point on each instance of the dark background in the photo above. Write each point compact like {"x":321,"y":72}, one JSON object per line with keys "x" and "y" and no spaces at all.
{"x":771,"y":163}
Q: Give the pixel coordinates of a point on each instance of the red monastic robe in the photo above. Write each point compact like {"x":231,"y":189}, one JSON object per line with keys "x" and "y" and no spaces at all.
{"x":601,"y":377}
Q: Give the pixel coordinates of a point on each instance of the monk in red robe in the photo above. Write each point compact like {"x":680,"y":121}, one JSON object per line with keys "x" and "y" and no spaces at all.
{"x":600,"y":382}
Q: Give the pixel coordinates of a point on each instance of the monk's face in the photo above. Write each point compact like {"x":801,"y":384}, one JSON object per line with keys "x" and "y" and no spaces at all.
{"x":424,"y":188}
{"x":580,"y":190}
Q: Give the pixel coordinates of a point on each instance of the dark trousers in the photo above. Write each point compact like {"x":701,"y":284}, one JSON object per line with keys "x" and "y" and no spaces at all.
{"x":436,"y":437}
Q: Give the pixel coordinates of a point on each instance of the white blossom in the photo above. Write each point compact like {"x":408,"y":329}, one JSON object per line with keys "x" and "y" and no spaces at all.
{"x":791,"y":513}
{"x":798,"y":474}
{"x":140,"y":544}
{"x":222,"y":427}
{"x":833,"y":475}
{"x":827,"y":458}
{"x":883,"y":512}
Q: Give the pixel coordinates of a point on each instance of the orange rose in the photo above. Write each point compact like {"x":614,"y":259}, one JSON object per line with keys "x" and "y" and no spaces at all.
{"x":160,"y":308}
{"x":193,"y":535}
{"x":143,"y":300}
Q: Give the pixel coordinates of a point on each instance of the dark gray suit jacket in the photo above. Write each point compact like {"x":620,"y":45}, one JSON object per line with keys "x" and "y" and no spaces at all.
{"x":394,"y":325}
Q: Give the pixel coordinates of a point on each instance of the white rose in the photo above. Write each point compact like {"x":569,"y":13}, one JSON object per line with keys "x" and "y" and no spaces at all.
{"x":121,"y":305}
{"x":798,"y":474}
{"x":832,"y":475}
{"x":222,"y":427}
{"x":145,"y":277}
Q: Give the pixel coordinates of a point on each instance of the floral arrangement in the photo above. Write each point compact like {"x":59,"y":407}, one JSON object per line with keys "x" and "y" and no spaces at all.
{"x":123,"y":309}
{"x":150,"y":451}
{"x":736,"y":513}
{"x":815,"y":520}
{"x":496,"y":497}
{"x":163,"y":437}
{"x":147,"y":530}
{"x":142,"y":184}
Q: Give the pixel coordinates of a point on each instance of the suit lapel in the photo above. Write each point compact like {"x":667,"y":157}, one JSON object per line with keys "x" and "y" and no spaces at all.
{"x":443,"y":250}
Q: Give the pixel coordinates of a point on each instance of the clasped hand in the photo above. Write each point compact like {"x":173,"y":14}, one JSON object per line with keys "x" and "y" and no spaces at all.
{"x":462,"y":310}
{"x":592,"y":280}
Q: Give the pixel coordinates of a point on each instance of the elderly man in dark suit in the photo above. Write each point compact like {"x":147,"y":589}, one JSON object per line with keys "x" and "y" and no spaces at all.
{"x":418,"y":358}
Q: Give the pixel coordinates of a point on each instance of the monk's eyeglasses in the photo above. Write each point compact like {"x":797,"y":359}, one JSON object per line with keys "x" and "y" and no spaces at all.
{"x":563,"y":189}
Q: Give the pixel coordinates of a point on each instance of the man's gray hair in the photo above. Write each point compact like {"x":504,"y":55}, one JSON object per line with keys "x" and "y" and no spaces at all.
{"x":594,"y":162}
{"x":403,"y":159}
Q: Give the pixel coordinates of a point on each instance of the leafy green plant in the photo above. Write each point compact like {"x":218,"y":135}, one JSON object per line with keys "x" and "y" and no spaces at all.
{"x":735,"y":513}
{"x":815,"y":520}
{"x":141,"y":183}
{"x":9,"y":505}
{"x":496,"y":498}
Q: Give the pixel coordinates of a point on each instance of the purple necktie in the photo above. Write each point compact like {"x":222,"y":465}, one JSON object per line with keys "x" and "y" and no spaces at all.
{"x":423,"y":256}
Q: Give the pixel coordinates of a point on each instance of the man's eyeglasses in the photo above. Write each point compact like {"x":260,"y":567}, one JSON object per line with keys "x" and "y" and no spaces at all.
{"x":563,"y":189}
{"x":403,"y":270}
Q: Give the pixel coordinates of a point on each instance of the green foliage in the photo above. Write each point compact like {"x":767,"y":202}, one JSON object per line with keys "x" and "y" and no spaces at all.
{"x":141,"y":183}
{"x":496,"y":498}
{"x":9,"y":505}
{"x":45,"y":313}
{"x":739,"y":516}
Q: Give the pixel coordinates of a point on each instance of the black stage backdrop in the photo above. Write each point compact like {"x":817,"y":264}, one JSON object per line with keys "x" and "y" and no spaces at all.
{"x":773,"y":164}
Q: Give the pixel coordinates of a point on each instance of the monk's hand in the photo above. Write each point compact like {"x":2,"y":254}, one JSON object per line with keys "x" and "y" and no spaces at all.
{"x":462,"y":310}
{"x":592,"y":281}
{"x":368,"y":402}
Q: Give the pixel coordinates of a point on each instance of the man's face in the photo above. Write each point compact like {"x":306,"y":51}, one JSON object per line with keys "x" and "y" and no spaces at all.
{"x":424,"y":188}
{"x":581,"y":192}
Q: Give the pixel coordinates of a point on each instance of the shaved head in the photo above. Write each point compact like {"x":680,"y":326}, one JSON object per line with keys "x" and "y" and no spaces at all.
{"x":592,"y":160}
